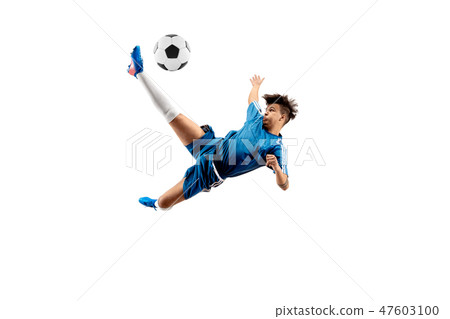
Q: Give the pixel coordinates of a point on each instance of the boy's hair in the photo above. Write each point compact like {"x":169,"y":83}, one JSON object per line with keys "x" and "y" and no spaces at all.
{"x":287,"y":106}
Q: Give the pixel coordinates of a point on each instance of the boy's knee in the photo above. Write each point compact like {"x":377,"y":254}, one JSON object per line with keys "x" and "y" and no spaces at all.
{"x":164,"y":202}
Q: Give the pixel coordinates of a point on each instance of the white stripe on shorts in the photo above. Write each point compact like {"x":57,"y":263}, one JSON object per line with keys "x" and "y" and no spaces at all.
{"x":220,"y":181}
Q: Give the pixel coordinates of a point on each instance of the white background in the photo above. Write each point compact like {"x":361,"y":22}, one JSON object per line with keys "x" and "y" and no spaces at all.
{"x":371,"y":226}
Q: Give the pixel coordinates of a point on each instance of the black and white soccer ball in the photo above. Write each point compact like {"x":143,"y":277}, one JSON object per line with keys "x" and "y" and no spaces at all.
{"x":172,"y":52}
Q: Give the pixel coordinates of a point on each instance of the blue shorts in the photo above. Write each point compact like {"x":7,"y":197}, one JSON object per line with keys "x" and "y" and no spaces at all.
{"x":203,"y":174}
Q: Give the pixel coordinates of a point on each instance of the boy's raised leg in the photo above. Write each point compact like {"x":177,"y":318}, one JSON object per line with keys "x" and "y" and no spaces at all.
{"x":186,"y":129}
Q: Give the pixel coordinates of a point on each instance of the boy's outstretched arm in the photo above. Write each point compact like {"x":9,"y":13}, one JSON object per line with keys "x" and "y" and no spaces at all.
{"x":282,"y":179}
{"x":256,"y":83}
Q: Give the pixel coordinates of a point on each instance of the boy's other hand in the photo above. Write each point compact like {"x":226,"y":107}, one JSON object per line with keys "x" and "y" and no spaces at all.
{"x":256,"y":80}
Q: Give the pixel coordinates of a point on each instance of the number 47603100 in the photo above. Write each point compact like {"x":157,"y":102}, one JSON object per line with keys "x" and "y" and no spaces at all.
{"x":409,"y":310}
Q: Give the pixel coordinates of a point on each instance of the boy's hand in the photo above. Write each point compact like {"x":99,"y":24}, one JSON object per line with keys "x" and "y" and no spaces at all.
{"x":282,"y":179}
{"x":256,"y":80}
{"x":271,"y":161}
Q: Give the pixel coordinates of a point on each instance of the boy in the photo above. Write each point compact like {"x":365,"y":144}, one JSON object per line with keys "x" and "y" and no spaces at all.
{"x":258,"y":143}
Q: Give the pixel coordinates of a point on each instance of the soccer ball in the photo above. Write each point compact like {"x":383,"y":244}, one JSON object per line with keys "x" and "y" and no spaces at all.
{"x":172,"y":52}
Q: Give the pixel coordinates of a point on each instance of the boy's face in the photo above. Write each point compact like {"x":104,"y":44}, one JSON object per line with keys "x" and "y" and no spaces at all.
{"x":272,"y":116}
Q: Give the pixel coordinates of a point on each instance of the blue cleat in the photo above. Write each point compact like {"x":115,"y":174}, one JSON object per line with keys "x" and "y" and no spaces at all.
{"x":146,"y":201}
{"x":137,"y":64}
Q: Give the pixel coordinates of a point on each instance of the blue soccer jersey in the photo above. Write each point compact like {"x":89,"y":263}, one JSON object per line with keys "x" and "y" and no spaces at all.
{"x":245,"y":150}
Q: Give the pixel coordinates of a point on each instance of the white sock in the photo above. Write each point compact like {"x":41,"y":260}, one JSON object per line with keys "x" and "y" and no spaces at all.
{"x":161,"y":100}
